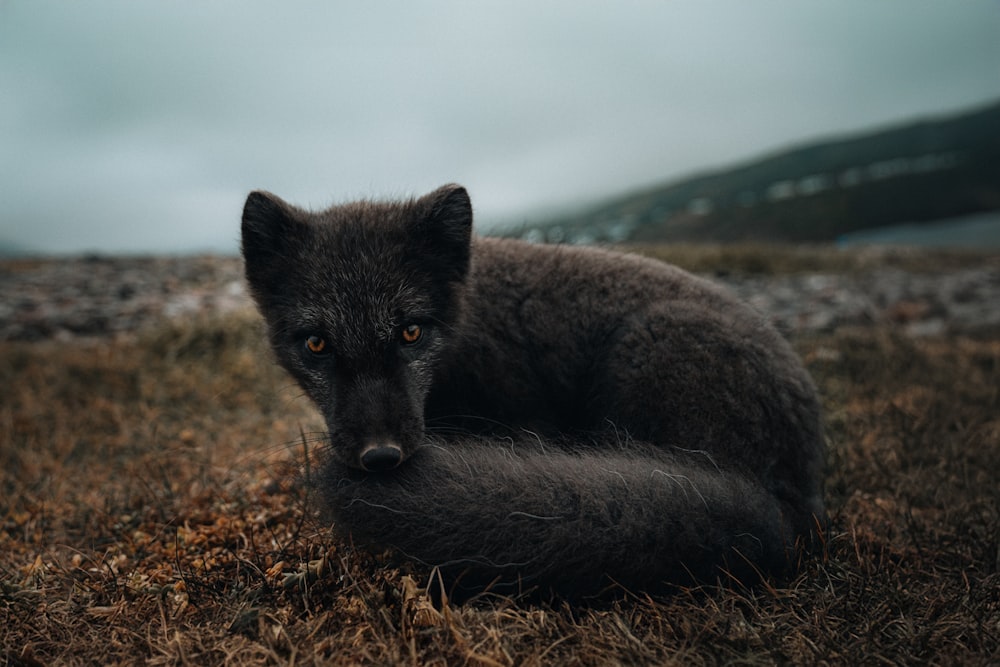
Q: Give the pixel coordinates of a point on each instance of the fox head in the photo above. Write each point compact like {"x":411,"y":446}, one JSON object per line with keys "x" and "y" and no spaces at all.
{"x":359,"y":301}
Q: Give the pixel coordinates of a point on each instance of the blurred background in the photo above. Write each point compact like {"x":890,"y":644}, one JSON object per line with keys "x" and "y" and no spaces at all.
{"x":133,"y":126}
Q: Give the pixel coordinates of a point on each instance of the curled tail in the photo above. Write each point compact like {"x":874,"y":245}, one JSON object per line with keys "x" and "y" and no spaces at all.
{"x":521,"y":516}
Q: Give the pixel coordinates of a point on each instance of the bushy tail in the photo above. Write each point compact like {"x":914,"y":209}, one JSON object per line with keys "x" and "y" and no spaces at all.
{"x":519,"y":516}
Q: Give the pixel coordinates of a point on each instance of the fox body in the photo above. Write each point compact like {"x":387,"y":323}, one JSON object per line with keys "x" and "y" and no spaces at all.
{"x":536,"y":416}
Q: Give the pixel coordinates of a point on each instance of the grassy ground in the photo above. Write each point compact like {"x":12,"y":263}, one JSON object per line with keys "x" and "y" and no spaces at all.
{"x":149,"y":513}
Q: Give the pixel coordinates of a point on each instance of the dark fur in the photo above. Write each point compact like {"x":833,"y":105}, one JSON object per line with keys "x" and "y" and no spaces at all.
{"x":572,"y":417}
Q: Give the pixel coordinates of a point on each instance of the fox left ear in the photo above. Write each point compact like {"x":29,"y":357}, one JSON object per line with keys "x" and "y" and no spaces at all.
{"x":451,"y":209}
{"x":445,"y":230}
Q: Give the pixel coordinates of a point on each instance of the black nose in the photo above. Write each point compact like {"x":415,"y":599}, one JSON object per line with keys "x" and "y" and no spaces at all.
{"x":381,"y":458}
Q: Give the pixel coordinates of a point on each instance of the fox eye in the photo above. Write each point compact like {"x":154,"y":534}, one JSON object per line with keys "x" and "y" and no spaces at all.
{"x":411,"y":334}
{"x":317,"y":345}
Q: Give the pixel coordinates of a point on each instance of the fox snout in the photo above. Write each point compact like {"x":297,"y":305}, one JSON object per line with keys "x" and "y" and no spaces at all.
{"x":375,"y":423}
{"x":381,"y":457}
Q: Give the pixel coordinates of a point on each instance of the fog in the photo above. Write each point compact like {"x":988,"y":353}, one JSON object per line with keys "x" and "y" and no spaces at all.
{"x":135,"y":126}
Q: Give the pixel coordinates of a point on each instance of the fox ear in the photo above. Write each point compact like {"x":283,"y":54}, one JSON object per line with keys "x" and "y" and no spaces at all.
{"x":269,"y":224}
{"x":444,"y":231}
{"x":450,"y":206}
{"x":265,"y":223}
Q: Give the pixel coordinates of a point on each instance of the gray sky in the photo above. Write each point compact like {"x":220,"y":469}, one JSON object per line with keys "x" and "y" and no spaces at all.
{"x":140,"y":126}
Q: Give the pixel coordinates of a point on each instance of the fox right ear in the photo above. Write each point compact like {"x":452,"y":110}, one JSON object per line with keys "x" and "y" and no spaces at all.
{"x":267,"y":224}
{"x":270,"y":228}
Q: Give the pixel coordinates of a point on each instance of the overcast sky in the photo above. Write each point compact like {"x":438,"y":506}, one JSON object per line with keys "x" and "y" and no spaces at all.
{"x":140,"y":126}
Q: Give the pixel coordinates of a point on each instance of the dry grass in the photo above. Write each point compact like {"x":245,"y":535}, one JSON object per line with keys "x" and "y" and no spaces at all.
{"x":150,"y":514}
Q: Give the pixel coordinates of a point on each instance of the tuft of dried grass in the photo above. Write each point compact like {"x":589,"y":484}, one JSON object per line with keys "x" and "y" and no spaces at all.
{"x":152,"y":511}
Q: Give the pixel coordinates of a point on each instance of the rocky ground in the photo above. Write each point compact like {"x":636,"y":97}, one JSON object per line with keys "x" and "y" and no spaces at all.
{"x":107,"y":296}
{"x":960,"y":301}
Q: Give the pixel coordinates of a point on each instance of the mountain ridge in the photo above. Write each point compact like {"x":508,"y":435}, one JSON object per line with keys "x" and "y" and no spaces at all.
{"x":928,"y":169}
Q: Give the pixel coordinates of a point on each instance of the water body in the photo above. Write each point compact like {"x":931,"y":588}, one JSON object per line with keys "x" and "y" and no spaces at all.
{"x":981,"y":230}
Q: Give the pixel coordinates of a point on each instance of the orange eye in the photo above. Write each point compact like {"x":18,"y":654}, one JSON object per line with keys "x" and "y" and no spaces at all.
{"x":316,"y":345}
{"x":411,"y":334}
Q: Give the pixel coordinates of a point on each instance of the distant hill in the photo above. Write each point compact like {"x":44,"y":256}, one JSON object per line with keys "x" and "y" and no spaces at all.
{"x":8,"y":249}
{"x":924,"y":171}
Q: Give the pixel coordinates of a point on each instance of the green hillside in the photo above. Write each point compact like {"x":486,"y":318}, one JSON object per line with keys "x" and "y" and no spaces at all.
{"x":924,"y":171}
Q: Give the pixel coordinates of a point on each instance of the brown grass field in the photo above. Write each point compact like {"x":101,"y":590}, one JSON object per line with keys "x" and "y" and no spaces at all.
{"x":151,"y":513}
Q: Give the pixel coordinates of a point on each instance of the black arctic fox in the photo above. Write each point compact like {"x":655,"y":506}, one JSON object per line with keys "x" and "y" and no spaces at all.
{"x":524,"y":416}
